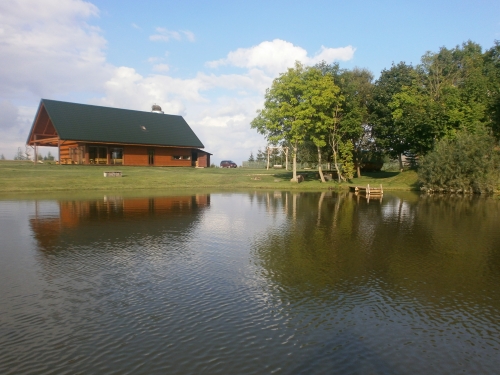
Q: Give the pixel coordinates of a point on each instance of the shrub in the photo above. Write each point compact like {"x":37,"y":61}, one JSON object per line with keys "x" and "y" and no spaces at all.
{"x":468,"y":163}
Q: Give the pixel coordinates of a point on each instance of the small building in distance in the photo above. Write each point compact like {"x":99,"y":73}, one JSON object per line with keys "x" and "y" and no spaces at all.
{"x":89,"y":134}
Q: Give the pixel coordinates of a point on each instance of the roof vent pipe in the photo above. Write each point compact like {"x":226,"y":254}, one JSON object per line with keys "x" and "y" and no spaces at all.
{"x":155,"y":108}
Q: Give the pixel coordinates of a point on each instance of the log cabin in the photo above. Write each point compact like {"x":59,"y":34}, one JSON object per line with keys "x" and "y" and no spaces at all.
{"x":89,"y":134}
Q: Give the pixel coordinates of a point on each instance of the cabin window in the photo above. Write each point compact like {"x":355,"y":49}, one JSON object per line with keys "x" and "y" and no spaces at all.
{"x":182,"y":157}
{"x":98,"y":155}
{"x":117,"y":156}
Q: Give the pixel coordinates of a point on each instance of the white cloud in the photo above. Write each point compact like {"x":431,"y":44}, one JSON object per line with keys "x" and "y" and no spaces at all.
{"x":135,"y":26}
{"x":128,"y":89}
{"x":165,"y":35}
{"x":9,"y":115}
{"x":189,"y":35}
{"x":15,"y":123}
{"x":276,"y":56}
{"x":161,"y":68}
{"x":222,"y":121}
{"x":332,"y":54}
{"x":47,"y":48}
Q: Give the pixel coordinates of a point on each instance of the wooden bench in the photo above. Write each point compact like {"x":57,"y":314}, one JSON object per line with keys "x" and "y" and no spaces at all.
{"x":113,"y":174}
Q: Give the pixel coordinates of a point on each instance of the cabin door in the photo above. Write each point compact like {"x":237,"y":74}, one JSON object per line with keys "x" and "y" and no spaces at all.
{"x":151,"y":156}
{"x":194,"y":159}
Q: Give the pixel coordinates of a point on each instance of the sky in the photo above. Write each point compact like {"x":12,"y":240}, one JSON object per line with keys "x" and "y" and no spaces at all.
{"x":208,"y":61}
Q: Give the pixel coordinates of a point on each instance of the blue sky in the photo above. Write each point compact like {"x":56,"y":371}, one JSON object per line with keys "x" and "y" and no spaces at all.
{"x":209,"y":61}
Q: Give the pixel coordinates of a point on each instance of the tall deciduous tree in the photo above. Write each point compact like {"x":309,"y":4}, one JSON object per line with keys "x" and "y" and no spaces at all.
{"x":492,"y":71}
{"x":356,"y":87}
{"x":415,"y":114}
{"x":348,"y":132}
{"x":285,"y":115}
{"x":322,"y":96}
{"x":299,"y":107}
{"x":390,"y":134}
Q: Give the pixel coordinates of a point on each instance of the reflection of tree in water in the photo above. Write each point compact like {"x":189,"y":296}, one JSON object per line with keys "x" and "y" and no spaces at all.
{"x":427,"y":248}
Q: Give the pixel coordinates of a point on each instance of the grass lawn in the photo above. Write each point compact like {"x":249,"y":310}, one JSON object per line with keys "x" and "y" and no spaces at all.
{"x":18,"y":176}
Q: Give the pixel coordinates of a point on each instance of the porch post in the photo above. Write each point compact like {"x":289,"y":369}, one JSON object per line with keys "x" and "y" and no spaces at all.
{"x":36,"y":152}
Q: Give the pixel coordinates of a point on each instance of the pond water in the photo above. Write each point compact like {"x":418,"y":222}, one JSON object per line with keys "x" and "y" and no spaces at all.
{"x":250,"y":283}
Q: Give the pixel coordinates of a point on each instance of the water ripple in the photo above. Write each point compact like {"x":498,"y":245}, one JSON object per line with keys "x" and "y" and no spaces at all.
{"x":259,"y":283}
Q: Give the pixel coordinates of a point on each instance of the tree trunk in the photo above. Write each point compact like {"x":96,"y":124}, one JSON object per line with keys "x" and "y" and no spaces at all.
{"x":294,"y":176}
{"x":358,"y":159}
{"x":336,"y":164}
{"x":320,"y":170}
{"x":400,"y":159}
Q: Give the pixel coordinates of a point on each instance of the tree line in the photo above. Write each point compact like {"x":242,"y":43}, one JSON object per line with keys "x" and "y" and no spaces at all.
{"x":26,"y":155}
{"x":347,"y":118}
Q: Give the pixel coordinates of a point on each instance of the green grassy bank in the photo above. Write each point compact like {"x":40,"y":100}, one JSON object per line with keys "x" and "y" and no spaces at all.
{"x":26,"y":177}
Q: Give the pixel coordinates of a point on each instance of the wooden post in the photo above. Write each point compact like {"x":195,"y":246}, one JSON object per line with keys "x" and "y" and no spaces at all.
{"x":368,"y":189}
{"x":35,"y":149}
{"x":59,"y":150}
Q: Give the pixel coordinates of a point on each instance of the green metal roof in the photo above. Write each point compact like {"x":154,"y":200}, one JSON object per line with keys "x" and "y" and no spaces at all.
{"x":91,"y":123}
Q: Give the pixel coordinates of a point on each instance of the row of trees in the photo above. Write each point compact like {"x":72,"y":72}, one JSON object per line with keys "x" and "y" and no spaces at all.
{"x":27,"y":155}
{"x":347,"y":118}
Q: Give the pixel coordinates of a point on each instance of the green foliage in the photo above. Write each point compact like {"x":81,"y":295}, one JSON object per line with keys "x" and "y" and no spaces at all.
{"x":317,"y":111}
{"x":20,"y":155}
{"x":451,"y":89}
{"x":297,"y":107}
{"x":48,"y":157}
{"x":261,"y":156}
{"x":285,"y":115}
{"x":390,"y":134}
{"x":346,"y":150}
{"x":492,"y":72}
{"x":251,"y":158}
{"x":466,"y":163}
{"x":357,"y":88}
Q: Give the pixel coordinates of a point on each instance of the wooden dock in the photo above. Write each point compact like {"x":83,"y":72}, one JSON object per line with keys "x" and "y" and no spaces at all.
{"x":378,"y":191}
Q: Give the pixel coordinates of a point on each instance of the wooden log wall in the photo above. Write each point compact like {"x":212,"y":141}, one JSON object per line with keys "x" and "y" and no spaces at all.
{"x":164,"y":156}
{"x":64,"y":153}
{"x":203,"y":160}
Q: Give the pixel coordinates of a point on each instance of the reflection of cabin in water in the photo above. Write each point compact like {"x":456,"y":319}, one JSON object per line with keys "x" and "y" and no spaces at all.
{"x":116,"y":218}
{"x":89,"y":134}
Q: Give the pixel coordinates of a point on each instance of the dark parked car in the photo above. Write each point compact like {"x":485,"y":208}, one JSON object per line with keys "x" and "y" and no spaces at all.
{"x":228,"y":164}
